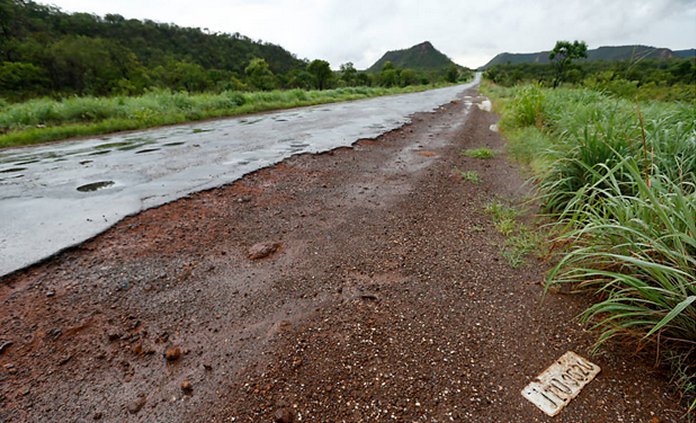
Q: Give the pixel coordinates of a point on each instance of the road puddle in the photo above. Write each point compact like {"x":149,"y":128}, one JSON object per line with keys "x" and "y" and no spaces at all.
{"x":13,"y":169}
{"x":147,"y":150}
{"x":95,"y":186}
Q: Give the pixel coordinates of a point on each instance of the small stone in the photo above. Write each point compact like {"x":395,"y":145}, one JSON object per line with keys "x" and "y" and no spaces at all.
{"x":262,"y":250}
{"x":4,"y":345}
{"x":136,"y":405}
{"x":186,"y":386}
{"x":284,"y":415}
{"x":173,"y":354}
{"x":97,"y":416}
{"x":243,"y":199}
{"x":50,"y":294}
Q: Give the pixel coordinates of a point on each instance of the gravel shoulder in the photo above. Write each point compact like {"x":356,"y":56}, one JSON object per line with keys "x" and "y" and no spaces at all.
{"x":377,"y":292}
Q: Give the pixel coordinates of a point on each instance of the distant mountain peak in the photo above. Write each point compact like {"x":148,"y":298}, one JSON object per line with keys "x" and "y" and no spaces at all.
{"x":608,"y":53}
{"x":422,"y":56}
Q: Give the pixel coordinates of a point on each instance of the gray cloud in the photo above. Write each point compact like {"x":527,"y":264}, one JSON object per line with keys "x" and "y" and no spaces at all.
{"x":470,"y":32}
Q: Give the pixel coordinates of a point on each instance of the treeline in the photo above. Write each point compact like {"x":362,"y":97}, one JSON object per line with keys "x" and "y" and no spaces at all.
{"x":663,"y":79}
{"x":46,"y":52}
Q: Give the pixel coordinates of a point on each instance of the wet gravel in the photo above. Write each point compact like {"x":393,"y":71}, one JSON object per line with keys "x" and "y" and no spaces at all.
{"x":363,"y":284}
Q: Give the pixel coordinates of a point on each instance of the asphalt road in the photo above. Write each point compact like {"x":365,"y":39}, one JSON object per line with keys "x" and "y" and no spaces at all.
{"x":59,"y":195}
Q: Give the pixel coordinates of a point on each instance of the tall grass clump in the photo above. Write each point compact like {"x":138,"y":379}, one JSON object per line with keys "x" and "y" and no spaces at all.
{"x":619,"y":178}
{"x":637,"y":252}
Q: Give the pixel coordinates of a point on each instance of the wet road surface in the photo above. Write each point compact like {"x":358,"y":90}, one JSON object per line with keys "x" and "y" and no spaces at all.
{"x":59,"y":195}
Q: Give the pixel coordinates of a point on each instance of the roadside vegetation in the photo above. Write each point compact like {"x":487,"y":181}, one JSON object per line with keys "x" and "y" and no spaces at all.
{"x":520,"y":240}
{"x":645,"y":79}
{"x":618,"y":176}
{"x":470,"y":176}
{"x":479,"y":153}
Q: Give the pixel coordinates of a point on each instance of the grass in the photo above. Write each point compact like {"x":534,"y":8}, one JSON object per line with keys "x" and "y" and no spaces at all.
{"x":470,"y":176}
{"x":520,"y":241}
{"x":620,"y":180}
{"x":45,"y":119}
{"x":479,"y":153}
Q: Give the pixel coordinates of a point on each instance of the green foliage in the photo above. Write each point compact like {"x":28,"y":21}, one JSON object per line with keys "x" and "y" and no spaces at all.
{"x":520,"y":241}
{"x":470,"y":176}
{"x":620,"y":177}
{"x":349,"y":75}
{"x":661,"y":79}
{"x":259,"y":75}
{"x":84,"y":54}
{"x":562,"y":56}
{"x":21,"y":77}
{"x":321,"y":73}
{"x":452,"y":74}
{"x":479,"y":153}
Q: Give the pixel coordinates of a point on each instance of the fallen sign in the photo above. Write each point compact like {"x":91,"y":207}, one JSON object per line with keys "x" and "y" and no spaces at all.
{"x":561,"y":382}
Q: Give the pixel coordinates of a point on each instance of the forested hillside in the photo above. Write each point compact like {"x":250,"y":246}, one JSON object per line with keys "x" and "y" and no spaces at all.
{"x":607,"y":53}
{"x":45,"y":51}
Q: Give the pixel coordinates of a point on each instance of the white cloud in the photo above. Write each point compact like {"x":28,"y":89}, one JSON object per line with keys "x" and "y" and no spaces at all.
{"x":471,"y":32}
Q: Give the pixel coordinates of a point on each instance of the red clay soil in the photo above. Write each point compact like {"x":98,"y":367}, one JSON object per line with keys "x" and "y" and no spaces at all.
{"x":376,"y":292}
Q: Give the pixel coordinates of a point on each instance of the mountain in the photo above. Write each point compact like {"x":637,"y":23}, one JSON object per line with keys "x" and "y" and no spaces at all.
{"x":45,"y":51}
{"x":422,"y":56}
{"x":685,"y":54}
{"x":609,"y":53}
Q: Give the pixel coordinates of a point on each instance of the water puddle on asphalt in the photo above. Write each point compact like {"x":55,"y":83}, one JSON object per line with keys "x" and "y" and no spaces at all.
{"x":147,"y":150}
{"x":99,"y":153}
{"x":95,"y":186}
{"x":113,"y":145}
{"x":13,"y":169}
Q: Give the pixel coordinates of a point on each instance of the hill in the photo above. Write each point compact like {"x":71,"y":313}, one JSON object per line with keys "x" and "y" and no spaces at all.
{"x":422,"y":56}
{"x":608,"y":53}
{"x":56,"y":52}
{"x":685,"y":54}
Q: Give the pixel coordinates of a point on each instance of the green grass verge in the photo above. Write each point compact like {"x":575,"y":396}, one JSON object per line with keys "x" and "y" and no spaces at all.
{"x":479,"y":153}
{"x":43,"y":120}
{"x":620,"y":180}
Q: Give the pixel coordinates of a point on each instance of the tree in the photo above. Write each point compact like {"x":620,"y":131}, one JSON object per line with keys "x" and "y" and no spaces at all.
{"x":389,"y":76}
{"x":349,"y":74}
{"x":562,"y":57}
{"x":18,"y":79}
{"x":321,"y":71}
{"x":259,"y":75}
{"x":452,"y":74}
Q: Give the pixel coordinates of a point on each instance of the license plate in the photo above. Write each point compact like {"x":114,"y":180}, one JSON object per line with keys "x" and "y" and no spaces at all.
{"x":561,"y":382}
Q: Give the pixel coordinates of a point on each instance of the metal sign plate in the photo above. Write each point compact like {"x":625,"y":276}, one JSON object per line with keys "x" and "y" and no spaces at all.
{"x":561,"y":382}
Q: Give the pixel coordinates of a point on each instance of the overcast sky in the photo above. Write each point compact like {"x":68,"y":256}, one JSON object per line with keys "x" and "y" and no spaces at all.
{"x":469,"y":32}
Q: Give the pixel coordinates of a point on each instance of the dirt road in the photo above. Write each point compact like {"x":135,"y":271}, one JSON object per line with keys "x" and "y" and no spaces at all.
{"x":383,"y":297}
